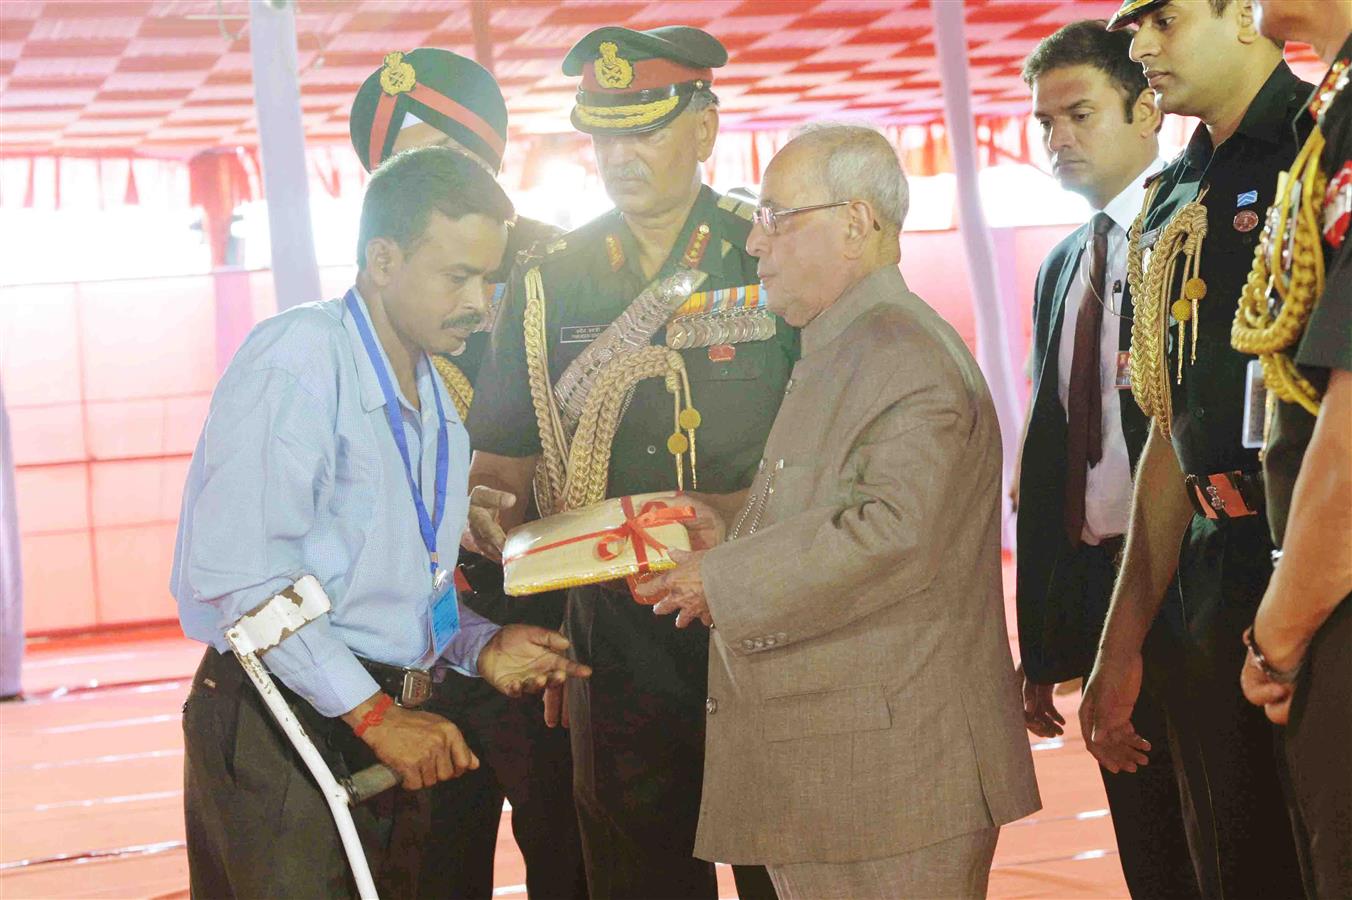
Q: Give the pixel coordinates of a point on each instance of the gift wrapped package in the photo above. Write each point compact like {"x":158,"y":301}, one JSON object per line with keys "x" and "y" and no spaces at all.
{"x":608,"y":540}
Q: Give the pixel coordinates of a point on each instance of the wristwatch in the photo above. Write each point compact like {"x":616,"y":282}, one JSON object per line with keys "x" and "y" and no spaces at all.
{"x":1272,"y":672}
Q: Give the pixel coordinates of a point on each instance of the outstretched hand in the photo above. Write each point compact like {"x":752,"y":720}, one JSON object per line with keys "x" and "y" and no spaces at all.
{"x":525,"y":659}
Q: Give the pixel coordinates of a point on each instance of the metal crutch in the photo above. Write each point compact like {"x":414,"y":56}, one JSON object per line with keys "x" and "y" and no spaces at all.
{"x":261,"y":630}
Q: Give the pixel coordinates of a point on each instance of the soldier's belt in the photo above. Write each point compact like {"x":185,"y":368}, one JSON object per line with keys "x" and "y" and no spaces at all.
{"x":1226,"y":495}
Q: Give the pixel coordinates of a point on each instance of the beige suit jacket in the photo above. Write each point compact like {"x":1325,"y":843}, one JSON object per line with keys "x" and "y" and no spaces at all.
{"x":862,"y":696}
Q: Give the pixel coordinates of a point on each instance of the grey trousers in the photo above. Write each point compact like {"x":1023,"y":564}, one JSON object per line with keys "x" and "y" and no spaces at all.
{"x":257,"y":824}
{"x":957,"y":867}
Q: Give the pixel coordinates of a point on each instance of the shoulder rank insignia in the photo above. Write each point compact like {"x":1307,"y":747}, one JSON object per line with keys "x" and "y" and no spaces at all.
{"x":699,"y":242}
{"x":737,"y":208}
{"x":728,"y":316}
{"x":556,"y":246}
{"x":614,"y":252}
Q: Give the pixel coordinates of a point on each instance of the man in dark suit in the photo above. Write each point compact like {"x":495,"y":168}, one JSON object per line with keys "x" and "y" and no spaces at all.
{"x":1084,"y":431}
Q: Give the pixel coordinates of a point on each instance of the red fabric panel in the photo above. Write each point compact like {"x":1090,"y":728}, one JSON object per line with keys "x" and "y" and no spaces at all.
{"x":58,"y":581}
{"x":137,"y":492}
{"x":52,"y":499}
{"x":133,"y":573}
{"x":149,"y":337}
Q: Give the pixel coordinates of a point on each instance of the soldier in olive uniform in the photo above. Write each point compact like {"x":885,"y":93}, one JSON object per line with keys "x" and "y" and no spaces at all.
{"x":1299,"y":664}
{"x":422,"y":98}
{"x":638,"y":733}
{"x":1197,"y":507}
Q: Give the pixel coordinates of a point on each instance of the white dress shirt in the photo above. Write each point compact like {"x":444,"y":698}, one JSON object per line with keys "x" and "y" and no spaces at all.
{"x":1107,"y":493}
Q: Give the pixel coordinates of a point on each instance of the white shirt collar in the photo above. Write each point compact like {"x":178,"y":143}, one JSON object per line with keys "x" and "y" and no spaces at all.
{"x":1124,"y":208}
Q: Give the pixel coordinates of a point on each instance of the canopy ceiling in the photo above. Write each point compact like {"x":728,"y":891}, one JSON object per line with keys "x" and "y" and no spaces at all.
{"x":172,"y":77}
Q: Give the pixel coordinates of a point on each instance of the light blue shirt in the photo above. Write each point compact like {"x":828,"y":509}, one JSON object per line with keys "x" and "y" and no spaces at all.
{"x":296,"y":473}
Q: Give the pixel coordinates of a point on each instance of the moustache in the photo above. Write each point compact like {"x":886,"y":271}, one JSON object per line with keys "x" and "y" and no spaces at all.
{"x":634,"y":171}
{"x":466,"y":322}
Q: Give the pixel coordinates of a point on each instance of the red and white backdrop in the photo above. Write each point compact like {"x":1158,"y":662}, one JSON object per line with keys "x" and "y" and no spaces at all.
{"x":116,"y":105}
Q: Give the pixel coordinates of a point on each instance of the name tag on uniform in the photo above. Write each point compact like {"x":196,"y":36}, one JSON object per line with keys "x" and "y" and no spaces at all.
{"x":1123,"y":379}
{"x":580,"y":334}
{"x":1255,"y":407}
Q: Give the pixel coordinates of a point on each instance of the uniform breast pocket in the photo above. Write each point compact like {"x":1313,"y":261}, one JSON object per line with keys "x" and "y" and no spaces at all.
{"x":727,"y":362}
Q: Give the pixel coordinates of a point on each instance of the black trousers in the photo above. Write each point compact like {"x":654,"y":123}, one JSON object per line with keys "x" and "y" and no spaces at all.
{"x":522,"y":760}
{"x":1224,"y":747}
{"x":257,"y":824}
{"x":1146,"y":806}
{"x":638,"y":751}
{"x":1314,"y":748}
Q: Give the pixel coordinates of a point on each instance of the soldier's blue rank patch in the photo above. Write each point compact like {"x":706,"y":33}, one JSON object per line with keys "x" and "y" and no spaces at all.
{"x":1248,"y":198}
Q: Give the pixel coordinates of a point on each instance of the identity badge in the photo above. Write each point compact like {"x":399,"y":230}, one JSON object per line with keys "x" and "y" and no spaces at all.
{"x":445,"y":619}
{"x":1255,"y":407}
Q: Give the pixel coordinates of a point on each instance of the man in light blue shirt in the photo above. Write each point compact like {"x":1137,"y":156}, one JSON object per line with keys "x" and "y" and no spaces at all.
{"x":332,"y":449}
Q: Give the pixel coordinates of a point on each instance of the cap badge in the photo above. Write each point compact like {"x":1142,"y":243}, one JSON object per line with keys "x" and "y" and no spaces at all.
{"x":613,"y":71}
{"x":397,"y":77}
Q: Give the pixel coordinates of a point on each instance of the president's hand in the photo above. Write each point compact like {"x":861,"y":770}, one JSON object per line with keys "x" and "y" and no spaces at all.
{"x":708,"y":529}
{"x":483,"y":530}
{"x":679,"y":590}
{"x":422,"y":748}
{"x":525,"y":659}
{"x":1110,"y":695}
{"x":1039,"y":710}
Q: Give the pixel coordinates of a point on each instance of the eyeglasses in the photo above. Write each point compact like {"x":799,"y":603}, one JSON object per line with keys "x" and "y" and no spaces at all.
{"x":769,"y":219}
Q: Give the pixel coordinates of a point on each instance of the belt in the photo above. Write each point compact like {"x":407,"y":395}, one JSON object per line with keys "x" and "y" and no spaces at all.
{"x":1226,"y":495}
{"x":410,"y":687}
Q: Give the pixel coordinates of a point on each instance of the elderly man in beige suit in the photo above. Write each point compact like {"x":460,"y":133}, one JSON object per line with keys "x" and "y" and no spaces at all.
{"x":865,"y":732}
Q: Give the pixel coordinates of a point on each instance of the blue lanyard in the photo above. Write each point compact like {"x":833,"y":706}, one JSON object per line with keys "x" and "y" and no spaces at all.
{"x":428,"y":525}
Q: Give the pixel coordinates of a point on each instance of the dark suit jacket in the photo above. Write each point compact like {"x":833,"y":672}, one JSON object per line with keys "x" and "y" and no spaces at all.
{"x":1059,"y":627}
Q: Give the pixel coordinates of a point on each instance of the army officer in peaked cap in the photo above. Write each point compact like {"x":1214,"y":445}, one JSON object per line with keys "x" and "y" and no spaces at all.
{"x":432,"y":97}
{"x":638,"y":737}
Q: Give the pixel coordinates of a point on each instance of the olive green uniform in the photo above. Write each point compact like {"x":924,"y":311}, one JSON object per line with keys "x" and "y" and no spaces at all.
{"x":1316,"y":739}
{"x":1233,"y":808}
{"x":638,"y":723}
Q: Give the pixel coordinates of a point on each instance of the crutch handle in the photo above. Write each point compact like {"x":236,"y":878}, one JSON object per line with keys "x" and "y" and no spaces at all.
{"x":362,"y":786}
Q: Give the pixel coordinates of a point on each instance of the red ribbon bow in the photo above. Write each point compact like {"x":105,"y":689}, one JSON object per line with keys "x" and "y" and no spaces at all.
{"x":610,"y":542}
{"x":635,"y":530}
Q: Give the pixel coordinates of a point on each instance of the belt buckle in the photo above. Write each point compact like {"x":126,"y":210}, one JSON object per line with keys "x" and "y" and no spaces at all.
{"x":1213,"y":497}
{"x":416,"y":689}
{"x":1200,"y":497}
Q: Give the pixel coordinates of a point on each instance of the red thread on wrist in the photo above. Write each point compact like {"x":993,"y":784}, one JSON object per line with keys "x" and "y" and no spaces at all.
{"x":375,"y":715}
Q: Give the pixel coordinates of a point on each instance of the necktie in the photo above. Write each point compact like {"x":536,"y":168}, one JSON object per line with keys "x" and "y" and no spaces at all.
{"x":1084,"y":416}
